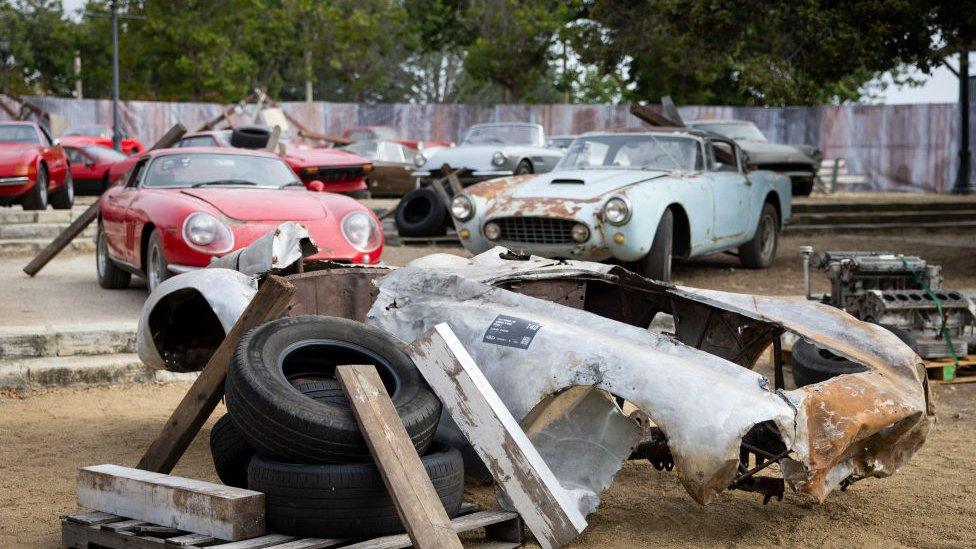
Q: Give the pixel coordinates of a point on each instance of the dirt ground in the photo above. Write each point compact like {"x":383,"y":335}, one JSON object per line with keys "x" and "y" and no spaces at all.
{"x":928,"y":503}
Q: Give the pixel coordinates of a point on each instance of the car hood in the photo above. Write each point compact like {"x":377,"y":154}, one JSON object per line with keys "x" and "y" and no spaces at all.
{"x":762,"y":152}
{"x":581,"y":184}
{"x":262,"y":204}
{"x":323,"y":157}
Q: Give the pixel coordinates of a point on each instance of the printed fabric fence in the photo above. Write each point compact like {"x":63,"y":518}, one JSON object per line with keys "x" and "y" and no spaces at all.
{"x":909,"y":148}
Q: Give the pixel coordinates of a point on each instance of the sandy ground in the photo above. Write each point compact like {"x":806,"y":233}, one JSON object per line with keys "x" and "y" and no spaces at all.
{"x":928,"y":503}
{"x":66,"y":290}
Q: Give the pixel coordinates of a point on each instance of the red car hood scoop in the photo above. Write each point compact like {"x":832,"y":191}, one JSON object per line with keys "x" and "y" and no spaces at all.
{"x":261,"y":204}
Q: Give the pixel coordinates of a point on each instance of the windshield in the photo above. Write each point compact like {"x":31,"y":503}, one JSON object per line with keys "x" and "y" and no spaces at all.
{"x":17,"y":133}
{"x":204,"y":169}
{"x":104,"y":154}
{"x":734,"y":130}
{"x":94,"y":131}
{"x":366,"y":149}
{"x":503,"y":134}
{"x":560,"y":142}
{"x":648,"y":152}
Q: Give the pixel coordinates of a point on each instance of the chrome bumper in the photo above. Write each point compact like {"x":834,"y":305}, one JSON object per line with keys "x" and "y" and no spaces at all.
{"x":11,"y":181}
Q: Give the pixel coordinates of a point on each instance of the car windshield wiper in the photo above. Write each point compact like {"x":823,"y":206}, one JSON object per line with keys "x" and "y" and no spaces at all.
{"x":225,"y":182}
{"x":292,"y":184}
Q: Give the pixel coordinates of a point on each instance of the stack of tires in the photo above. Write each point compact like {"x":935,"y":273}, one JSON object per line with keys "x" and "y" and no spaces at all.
{"x":291,"y":434}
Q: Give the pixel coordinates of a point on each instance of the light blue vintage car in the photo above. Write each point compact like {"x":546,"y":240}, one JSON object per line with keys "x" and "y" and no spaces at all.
{"x":635,"y":198}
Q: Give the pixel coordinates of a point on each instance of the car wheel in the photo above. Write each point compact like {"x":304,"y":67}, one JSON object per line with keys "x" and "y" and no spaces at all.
{"x":283,"y":424}
{"x":524,"y":167}
{"x":64,"y":198}
{"x":812,"y":364}
{"x":36,"y":198}
{"x":346,"y":499}
{"x":759,"y":252}
{"x":157,"y":270}
{"x":104,"y":183}
{"x":657,"y":263}
{"x":421,"y":213}
{"x":110,"y":276}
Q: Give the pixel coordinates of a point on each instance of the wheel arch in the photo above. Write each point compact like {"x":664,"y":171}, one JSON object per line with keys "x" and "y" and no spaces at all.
{"x":772,"y":197}
{"x":681,"y":245}
{"x":147,"y":231}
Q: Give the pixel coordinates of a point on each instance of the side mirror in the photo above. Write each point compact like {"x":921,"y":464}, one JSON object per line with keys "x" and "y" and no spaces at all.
{"x":316,"y":186}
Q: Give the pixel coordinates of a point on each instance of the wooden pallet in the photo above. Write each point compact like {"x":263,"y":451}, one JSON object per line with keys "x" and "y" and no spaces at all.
{"x":97,"y":530}
{"x":943,"y":369}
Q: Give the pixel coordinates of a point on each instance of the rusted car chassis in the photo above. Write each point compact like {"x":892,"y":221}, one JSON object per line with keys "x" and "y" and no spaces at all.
{"x":583,"y":339}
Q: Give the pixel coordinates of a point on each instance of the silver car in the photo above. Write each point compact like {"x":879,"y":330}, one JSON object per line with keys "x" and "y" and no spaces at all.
{"x":492,"y":150}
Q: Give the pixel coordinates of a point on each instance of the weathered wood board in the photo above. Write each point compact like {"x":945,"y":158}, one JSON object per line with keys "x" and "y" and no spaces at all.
{"x":412,"y":491}
{"x":223,"y":512}
{"x":530,"y":486}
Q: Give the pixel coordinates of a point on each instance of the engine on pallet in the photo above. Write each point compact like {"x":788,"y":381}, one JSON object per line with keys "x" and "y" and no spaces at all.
{"x":890,"y":289}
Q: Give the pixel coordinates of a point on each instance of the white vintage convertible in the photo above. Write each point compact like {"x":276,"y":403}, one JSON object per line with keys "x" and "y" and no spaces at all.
{"x":633,"y":198}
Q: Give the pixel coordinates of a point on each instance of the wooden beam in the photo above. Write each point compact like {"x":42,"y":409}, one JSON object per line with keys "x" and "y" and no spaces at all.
{"x":272,"y":144}
{"x":62,"y":240}
{"x":209,"y":124}
{"x":528,"y":483}
{"x":269,"y":303}
{"x":223,"y":512}
{"x":651,"y":116}
{"x":170,"y":138}
{"x":410,"y":487}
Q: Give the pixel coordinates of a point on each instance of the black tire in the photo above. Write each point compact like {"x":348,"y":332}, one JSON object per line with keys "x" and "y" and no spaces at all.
{"x":105,"y":184}
{"x":230,"y":451}
{"x":156,"y":267}
{"x":283,"y":424}
{"x":802,"y":186}
{"x":250,"y":137}
{"x":524,"y":168}
{"x":760,"y":252}
{"x":110,"y":276}
{"x":421,"y":213}
{"x":65,"y":198}
{"x":347,"y":499}
{"x":657,"y":263}
{"x":36,"y":198}
{"x":812,"y":364}
{"x":358,"y":195}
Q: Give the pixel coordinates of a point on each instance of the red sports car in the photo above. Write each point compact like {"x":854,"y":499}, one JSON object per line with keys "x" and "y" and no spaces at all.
{"x":178,"y":208}
{"x":90,"y":166}
{"x":33,"y":169}
{"x":340,"y":171}
{"x":387,"y":133}
{"x":100,"y":135}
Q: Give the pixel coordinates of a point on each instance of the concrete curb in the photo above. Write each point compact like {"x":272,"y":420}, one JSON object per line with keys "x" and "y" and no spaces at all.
{"x":75,"y":371}
{"x":101,"y":338}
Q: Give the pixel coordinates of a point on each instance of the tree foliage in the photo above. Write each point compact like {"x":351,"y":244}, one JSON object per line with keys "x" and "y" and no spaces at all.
{"x":770,"y":52}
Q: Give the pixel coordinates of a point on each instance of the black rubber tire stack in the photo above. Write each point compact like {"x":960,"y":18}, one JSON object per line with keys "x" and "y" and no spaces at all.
{"x":291,"y":434}
{"x":421,"y":212}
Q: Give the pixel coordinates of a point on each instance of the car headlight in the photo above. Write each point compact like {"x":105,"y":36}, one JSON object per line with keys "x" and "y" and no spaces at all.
{"x":492,"y":231}
{"x":498,"y":158}
{"x":419,"y":160}
{"x":616,"y":211}
{"x":361,"y":231}
{"x":206,"y":233}
{"x":580,"y":232}
{"x":462,"y":208}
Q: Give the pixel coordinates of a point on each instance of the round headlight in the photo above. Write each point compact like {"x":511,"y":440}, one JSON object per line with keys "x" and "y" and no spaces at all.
{"x":493,"y":231}
{"x":616,"y":211}
{"x":498,"y":158}
{"x":206,"y":233}
{"x":419,"y":160}
{"x":462,"y":208}
{"x":580,"y":232}
{"x":361,"y":231}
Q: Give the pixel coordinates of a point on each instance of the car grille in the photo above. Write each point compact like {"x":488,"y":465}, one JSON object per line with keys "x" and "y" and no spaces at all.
{"x":787,"y":167}
{"x":335,"y":174}
{"x":536,"y":230}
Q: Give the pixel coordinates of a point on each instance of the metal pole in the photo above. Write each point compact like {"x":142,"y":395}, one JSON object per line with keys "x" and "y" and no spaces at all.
{"x":78,"y":90}
{"x":116,"y":135}
{"x":965,"y":155}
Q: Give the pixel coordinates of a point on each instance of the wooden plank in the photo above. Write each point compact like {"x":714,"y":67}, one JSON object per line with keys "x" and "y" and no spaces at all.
{"x":411,"y":490}
{"x":87,"y":537}
{"x":62,"y":240}
{"x":530,"y":486}
{"x":310,"y":543}
{"x":273,"y":140}
{"x":94,"y":518}
{"x":466,"y":523}
{"x":173,"y":505}
{"x":169,"y":138}
{"x":270,"y":302}
{"x":123,"y":525}
{"x":189,"y":540}
{"x":269,"y":540}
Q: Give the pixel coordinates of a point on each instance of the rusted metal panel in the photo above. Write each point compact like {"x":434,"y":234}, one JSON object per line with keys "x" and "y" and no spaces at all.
{"x":346,"y":293}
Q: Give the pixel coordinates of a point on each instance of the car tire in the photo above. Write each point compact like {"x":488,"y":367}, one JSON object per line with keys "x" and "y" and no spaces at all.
{"x":64,"y":199}
{"x":346,"y":499}
{"x":36,"y":198}
{"x":110,"y":276}
{"x":657,"y":263}
{"x":802,"y":187}
{"x":760,"y":252}
{"x":105,"y":183}
{"x":156,"y":267}
{"x":812,"y":364}
{"x":421,"y":212}
{"x":230,"y":452}
{"x":283,"y":424}
{"x":524,"y":168}
{"x":358,"y":195}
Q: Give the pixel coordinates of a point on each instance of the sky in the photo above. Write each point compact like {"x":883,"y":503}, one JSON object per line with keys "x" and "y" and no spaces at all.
{"x":940,"y":87}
